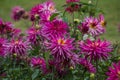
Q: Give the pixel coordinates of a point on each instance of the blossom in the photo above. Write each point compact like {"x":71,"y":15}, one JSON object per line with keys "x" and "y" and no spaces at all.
{"x":95,"y":28}
{"x":3,"y":48}
{"x":18,"y":47}
{"x":61,"y":48}
{"x":54,"y":28}
{"x":5,"y":27}
{"x":45,"y":16}
{"x":39,"y":62}
{"x":33,"y":35}
{"x":40,"y":9}
{"x":72,"y":8}
{"x":87,"y":65}
{"x":114,"y":72}
{"x":17,"y":13}
{"x":96,"y":49}
{"x":102,"y":21}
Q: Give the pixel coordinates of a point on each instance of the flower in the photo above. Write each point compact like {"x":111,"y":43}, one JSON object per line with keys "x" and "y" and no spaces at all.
{"x":83,"y":28}
{"x":39,"y":62}
{"x":39,"y":9}
{"x":33,"y":35}
{"x":18,"y":47}
{"x":102,"y":21}
{"x":73,"y":7}
{"x":45,"y":17}
{"x":87,"y":65}
{"x":94,"y":28}
{"x":96,"y":49}
{"x":17,"y":13}
{"x":114,"y":72}
{"x":3,"y":48}
{"x":5,"y":27}
{"x":54,"y":28}
{"x":61,"y":48}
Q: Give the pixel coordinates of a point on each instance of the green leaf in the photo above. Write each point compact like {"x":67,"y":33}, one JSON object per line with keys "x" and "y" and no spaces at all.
{"x":53,"y":16}
{"x":35,"y":74}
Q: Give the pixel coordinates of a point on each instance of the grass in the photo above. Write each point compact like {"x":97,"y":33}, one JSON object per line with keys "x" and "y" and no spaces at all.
{"x":110,"y":7}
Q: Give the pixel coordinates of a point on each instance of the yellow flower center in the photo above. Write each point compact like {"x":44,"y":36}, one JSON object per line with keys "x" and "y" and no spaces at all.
{"x":92,"y":25}
{"x":103,"y":23}
{"x":61,"y":41}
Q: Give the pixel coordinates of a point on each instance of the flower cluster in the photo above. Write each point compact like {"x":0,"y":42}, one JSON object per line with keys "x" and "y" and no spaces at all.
{"x":56,"y":46}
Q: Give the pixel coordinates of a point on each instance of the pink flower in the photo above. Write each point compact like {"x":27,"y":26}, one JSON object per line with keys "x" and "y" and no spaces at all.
{"x":87,"y":65}
{"x":33,"y":36}
{"x":18,"y":47}
{"x":39,"y":62}
{"x":17,"y":13}
{"x":114,"y":72}
{"x":5,"y":27}
{"x":96,"y":49}
{"x":39,"y":9}
{"x":61,"y":48}
{"x":54,"y":28}
{"x":3,"y":48}
{"x":74,"y":7}
{"x":95,"y":28}
{"x":45,"y":17}
{"x":102,"y":21}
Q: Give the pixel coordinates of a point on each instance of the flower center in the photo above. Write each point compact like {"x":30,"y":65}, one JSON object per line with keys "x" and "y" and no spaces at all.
{"x":95,"y":44}
{"x":52,"y":8}
{"x":16,"y":42}
{"x":103,"y":23}
{"x":92,"y":25}
{"x":61,"y":41}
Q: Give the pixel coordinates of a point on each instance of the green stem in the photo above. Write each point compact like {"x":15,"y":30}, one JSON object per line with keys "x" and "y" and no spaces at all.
{"x":96,"y":69}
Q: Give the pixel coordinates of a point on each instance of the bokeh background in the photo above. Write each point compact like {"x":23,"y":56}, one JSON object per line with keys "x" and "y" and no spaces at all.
{"x":111,"y":9}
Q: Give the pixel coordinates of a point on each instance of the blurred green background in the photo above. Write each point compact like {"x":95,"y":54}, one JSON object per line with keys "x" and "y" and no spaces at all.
{"x":110,"y":7}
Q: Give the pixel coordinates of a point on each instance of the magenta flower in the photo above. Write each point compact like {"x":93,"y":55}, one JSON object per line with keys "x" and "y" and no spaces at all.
{"x":39,"y":62}
{"x":3,"y":48}
{"x":45,"y":16}
{"x":72,"y":8}
{"x":54,"y":28}
{"x":61,"y":48}
{"x":36,"y":11}
{"x":87,"y":65}
{"x":17,"y":13}
{"x":114,"y":72}
{"x":39,"y":9}
{"x":95,"y":28}
{"x":102,"y":21}
{"x":33,"y":35}
{"x":83,"y":28}
{"x":49,"y":6}
{"x":96,"y":49}
{"x":5,"y":27}
{"x":18,"y":47}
